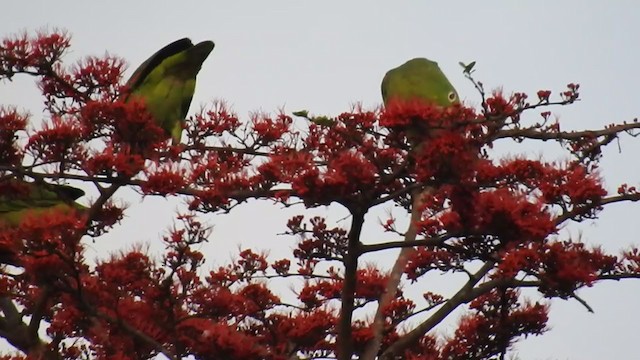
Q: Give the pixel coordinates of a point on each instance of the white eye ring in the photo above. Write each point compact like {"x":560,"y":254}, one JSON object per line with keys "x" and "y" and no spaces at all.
{"x":452,"y":96}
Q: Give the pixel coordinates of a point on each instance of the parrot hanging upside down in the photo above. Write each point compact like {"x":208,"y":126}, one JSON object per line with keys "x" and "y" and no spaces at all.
{"x":419,"y":79}
{"x":31,"y":199}
{"x":166,"y":82}
{"x":37,"y":198}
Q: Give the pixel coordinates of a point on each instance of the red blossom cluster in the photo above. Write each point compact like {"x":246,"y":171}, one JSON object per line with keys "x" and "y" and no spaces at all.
{"x":494,"y":220}
{"x":11,"y":122}
{"x":496,"y":320}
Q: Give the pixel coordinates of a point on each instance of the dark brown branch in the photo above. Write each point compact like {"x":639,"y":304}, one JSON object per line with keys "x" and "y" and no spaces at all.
{"x":426,"y":309}
{"x":16,"y":332}
{"x":138,"y":334}
{"x":344,"y":341}
{"x":38,"y":313}
{"x":566,"y":135}
{"x":47,"y":71}
{"x":464,"y":295}
{"x":577,"y":211}
{"x":396,"y":194}
{"x":236,"y":195}
{"x":439,"y":241}
{"x":247,"y":151}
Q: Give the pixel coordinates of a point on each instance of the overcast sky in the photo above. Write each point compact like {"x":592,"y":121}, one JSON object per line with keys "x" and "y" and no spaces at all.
{"x":325,"y":56}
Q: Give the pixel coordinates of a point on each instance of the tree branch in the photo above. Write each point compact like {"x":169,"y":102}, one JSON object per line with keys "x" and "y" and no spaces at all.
{"x":529,"y":133}
{"x":16,"y":332}
{"x":138,"y":334}
{"x":344,"y":341}
{"x":373,"y":346}
{"x":465,"y":294}
{"x":438,"y":241}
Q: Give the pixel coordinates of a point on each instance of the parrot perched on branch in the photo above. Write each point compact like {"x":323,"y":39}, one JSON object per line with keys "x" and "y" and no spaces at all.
{"x":38,"y":197}
{"x":21,"y":199}
{"x":419,"y":79}
{"x":166,"y":82}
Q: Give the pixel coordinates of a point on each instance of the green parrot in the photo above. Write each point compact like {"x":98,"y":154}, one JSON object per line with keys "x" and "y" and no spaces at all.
{"x":420,"y":79}
{"x":39,"y":197}
{"x":166,"y":82}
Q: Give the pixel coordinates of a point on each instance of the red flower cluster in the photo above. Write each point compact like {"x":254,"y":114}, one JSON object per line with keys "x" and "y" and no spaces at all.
{"x":24,"y":54}
{"x":11,"y":122}
{"x":215,"y":122}
{"x":57,"y":142}
{"x":498,"y":320}
{"x":423,"y":260}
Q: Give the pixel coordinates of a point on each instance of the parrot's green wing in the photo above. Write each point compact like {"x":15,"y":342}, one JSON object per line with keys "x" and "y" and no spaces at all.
{"x":156,"y":59}
{"x":166,"y":82}
{"x":35,"y":197}
{"x":419,"y":79}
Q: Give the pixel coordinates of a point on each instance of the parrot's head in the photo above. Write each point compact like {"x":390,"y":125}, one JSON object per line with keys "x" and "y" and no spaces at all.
{"x":419,"y":79}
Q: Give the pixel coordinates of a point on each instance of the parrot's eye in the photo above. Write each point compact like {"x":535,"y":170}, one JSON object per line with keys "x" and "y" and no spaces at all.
{"x":452,"y":96}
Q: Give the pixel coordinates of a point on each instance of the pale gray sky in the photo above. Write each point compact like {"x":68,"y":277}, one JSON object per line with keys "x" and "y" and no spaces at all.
{"x":325,"y":56}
